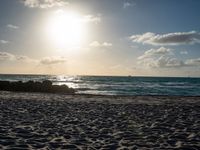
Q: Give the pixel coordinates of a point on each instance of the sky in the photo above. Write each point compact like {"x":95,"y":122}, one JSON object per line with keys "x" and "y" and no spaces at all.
{"x":100,"y":37}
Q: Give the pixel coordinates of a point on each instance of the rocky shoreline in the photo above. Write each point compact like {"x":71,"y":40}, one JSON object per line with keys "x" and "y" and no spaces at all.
{"x":31,"y":86}
{"x":52,"y":121}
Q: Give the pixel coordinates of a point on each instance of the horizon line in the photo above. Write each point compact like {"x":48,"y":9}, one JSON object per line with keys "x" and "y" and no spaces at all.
{"x":26,"y":74}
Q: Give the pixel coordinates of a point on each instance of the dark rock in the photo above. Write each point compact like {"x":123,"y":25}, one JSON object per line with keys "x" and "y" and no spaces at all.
{"x":4,"y":85}
{"x":47,"y":83}
{"x":31,"y":86}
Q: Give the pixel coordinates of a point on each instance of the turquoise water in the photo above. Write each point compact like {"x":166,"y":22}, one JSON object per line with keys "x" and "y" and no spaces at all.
{"x":107,"y":85}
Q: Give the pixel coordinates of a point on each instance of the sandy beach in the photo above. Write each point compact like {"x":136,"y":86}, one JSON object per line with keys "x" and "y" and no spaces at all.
{"x":55,"y":121}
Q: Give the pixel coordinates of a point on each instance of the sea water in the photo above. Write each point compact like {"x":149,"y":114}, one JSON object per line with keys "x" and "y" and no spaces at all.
{"x":124,"y":85}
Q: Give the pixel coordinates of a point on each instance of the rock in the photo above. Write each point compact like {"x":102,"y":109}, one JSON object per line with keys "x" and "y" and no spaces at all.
{"x":47,"y":83}
{"x":31,"y":86}
{"x":4,"y":85}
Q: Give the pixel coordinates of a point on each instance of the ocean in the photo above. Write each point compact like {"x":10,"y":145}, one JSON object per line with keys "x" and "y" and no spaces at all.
{"x":113,"y":85}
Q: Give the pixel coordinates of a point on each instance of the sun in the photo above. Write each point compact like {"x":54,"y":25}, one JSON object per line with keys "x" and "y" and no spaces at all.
{"x":65,"y":29}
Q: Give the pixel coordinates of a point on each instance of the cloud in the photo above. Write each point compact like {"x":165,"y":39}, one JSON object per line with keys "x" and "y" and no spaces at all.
{"x":163,"y":62}
{"x":6,"y":56}
{"x":26,"y":59}
{"x":98,"y":44}
{"x":184,"y":52}
{"x":128,"y":4}
{"x":52,"y":60}
{"x":165,"y":58}
{"x":162,"y":51}
{"x":159,"y":58}
{"x":176,"y":38}
{"x":92,"y":18}
{"x":43,"y":3}
{"x":4,"y":41}
{"x":12,"y":26}
{"x":95,"y":44}
{"x":107,"y":44}
{"x":89,"y":18}
{"x":193,"y":62}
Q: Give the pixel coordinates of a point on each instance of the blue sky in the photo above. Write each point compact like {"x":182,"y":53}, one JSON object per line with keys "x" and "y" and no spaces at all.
{"x":112,"y":37}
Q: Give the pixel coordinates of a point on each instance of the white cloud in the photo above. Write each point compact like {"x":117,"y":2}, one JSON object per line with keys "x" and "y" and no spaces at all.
{"x":4,"y":41}
{"x":160,"y":58}
{"x":184,"y":52}
{"x":89,"y":18}
{"x":44,"y":3}
{"x":164,"y":61}
{"x":107,"y":44}
{"x":95,"y":44}
{"x":26,"y":59}
{"x":53,"y":60}
{"x":162,"y":51}
{"x":98,"y":44}
{"x":193,"y":62}
{"x":128,"y":4}
{"x":164,"y":58}
{"x":6,"y":56}
{"x":175,"y":38}
{"x":12,"y":26}
{"x":92,"y":18}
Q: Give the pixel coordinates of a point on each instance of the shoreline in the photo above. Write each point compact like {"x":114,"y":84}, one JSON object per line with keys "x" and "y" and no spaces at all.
{"x":111,"y":98}
{"x":100,"y":85}
{"x":100,"y":95}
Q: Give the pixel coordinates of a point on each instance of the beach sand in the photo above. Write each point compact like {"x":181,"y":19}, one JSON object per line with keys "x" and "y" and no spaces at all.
{"x":53,"y":121}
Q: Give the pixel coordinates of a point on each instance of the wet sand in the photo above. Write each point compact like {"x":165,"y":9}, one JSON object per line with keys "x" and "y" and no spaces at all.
{"x":52,"y":121}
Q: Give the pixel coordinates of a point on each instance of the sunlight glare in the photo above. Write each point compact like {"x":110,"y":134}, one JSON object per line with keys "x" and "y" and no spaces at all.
{"x":65,"y":29}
